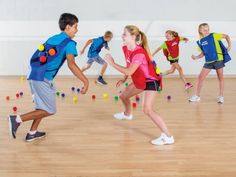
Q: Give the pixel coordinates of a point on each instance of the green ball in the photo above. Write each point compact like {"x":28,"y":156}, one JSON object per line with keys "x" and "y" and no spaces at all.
{"x":126,"y":84}
{"x":57,"y":93}
{"x":159,"y":90}
{"x":116,"y":98}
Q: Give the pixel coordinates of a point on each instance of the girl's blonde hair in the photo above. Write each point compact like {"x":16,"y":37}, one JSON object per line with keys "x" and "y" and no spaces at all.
{"x":199,"y":28}
{"x":173,"y":33}
{"x":141,"y":38}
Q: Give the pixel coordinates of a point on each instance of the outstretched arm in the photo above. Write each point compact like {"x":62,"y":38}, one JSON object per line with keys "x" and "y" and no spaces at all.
{"x":90,"y":41}
{"x":195,"y":57}
{"x":156,"y":51}
{"x":77,"y":72}
{"x":227,"y":38}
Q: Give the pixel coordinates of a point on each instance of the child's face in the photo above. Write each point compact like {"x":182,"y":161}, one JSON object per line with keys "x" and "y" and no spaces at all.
{"x":71,"y":30}
{"x":127,"y":37}
{"x":108,"y":39}
{"x":204,"y":30}
{"x":169,"y":36}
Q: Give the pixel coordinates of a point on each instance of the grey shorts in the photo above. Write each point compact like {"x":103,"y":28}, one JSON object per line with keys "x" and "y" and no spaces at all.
{"x":44,"y":95}
{"x":98,"y":59}
{"x":215,"y":65}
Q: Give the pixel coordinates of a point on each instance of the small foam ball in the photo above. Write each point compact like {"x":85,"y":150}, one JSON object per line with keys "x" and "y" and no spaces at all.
{"x":21,"y":94}
{"x":159,"y":90}
{"x":73,"y":88}
{"x":63,"y":95}
{"x":126,"y":84}
{"x":105,"y":95}
{"x":17,"y":95}
{"x":75,"y":99}
{"x":7,"y":98}
{"x":52,"y":52}
{"x":137,"y":98}
{"x":78,"y":90}
{"x":22,"y":78}
{"x":43,"y":59}
{"x":41,"y":47}
{"x":93,"y":97}
{"x":134,"y":105}
{"x":14,"y":109}
{"x":158,"y":71}
{"x":57,"y":93}
{"x":168,"y":97}
{"x":116,"y":98}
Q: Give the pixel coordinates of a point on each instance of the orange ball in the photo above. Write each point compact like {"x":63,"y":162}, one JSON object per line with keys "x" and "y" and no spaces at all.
{"x":52,"y":52}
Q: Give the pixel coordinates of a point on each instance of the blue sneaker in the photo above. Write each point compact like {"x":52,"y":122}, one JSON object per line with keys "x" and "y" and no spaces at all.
{"x":35,"y":136}
{"x":101,"y":81}
{"x":13,"y":125}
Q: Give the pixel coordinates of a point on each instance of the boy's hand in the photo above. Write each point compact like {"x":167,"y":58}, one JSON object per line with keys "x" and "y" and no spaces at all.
{"x":194,"y":57}
{"x":228,"y":48}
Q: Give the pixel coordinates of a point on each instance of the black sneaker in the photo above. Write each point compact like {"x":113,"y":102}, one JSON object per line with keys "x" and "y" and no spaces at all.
{"x":13,"y":125}
{"x":35,"y":136}
{"x":101,"y":81}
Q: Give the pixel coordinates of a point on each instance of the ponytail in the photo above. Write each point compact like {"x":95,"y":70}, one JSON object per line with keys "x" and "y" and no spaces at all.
{"x":173,"y":33}
{"x":145,"y":43}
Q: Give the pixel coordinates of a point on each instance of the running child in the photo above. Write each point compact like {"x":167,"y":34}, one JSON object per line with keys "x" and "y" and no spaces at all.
{"x":95,"y":48}
{"x":211,"y":48}
{"x":45,"y":63}
{"x":171,"y":51}
{"x":140,"y":68}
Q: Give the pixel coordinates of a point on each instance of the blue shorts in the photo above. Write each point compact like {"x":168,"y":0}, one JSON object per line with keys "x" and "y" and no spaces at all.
{"x":98,"y":59}
{"x":214,"y":65}
{"x":44,"y":95}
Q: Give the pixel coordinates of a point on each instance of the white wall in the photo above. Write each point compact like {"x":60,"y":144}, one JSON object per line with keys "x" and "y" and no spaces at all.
{"x":25,"y":24}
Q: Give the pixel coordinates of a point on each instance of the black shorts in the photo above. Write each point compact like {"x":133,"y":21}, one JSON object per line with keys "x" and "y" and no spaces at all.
{"x":152,"y":85}
{"x":174,"y":61}
{"x":214,"y":65}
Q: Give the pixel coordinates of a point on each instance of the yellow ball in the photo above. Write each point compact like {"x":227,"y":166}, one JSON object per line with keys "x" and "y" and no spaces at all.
{"x":105,"y":95}
{"x":41,"y":47}
{"x":22,"y":78}
{"x":75,"y":99}
{"x":158,"y":71}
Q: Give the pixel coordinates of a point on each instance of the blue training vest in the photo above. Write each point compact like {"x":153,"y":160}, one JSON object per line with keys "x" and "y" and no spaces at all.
{"x":38,"y":68}
{"x":207,"y":45}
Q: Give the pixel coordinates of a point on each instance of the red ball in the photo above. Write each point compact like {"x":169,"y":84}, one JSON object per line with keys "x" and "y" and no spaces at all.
{"x":17,"y":95}
{"x":93,"y":97}
{"x":134,"y":105}
{"x":14,"y":108}
{"x":7,"y":98}
{"x":43,"y":59}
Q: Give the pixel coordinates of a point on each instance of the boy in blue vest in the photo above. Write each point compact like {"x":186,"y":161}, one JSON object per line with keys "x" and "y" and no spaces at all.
{"x":45,"y":64}
{"x":95,"y":48}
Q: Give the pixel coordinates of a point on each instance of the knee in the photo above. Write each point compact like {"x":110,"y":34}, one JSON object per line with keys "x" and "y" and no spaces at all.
{"x":147,"y":110}
{"x":172,"y":71}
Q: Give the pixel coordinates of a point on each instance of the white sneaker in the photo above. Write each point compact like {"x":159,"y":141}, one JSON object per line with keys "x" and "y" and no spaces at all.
{"x":163,"y":140}
{"x":122,"y":116}
{"x":194,"y":98}
{"x":220,"y":99}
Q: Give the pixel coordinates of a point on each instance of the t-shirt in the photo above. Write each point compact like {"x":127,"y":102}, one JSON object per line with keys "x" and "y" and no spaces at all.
{"x":70,"y":49}
{"x":141,"y":61}
{"x":96,"y":47}
{"x":164,"y":46}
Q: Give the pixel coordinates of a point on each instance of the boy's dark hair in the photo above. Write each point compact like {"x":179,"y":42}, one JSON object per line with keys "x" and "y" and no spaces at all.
{"x":67,"y":19}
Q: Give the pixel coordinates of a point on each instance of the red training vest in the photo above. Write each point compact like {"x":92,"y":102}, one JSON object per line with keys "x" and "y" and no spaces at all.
{"x":172,"y":48}
{"x":138,"y":76}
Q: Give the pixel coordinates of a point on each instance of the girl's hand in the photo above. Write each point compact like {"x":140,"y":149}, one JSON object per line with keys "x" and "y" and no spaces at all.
{"x":109,"y":59}
{"x":81,"y":52}
{"x":194,"y":57}
{"x":84,"y":89}
{"x":119,"y":83}
{"x":228,"y":48}
{"x":186,"y":40}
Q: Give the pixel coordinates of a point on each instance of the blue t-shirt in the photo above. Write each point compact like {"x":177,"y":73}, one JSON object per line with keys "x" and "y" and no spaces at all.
{"x":96,"y":47}
{"x":70,"y":49}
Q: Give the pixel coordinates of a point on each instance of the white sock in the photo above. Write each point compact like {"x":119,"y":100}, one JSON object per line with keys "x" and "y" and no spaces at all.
{"x":18,"y":119}
{"x":32,"y":132}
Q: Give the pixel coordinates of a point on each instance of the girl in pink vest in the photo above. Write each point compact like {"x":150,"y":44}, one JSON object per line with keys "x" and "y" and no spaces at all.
{"x":141,"y":70}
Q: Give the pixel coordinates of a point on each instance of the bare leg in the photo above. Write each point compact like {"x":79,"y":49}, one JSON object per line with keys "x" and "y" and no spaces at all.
{"x":170,"y":71}
{"x":87,"y":66}
{"x":104,"y":67}
{"x":180,"y":70}
{"x":148,"y":102}
{"x":203,"y":74}
{"x":220,"y":76}
{"x":130,"y":91}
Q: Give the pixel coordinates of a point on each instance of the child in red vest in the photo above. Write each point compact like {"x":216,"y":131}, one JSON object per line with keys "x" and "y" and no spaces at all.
{"x":141,"y":70}
{"x":171,"y":51}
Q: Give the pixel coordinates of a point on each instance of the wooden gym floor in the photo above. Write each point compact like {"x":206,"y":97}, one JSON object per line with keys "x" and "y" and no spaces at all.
{"x":83,"y":139}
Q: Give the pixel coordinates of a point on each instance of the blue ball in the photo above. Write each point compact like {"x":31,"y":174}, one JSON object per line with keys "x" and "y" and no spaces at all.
{"x":78,"y":90}
{"x":63,"y":95}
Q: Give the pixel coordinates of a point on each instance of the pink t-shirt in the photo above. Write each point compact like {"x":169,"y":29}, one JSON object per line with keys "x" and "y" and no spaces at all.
{"x":141,"y":61}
